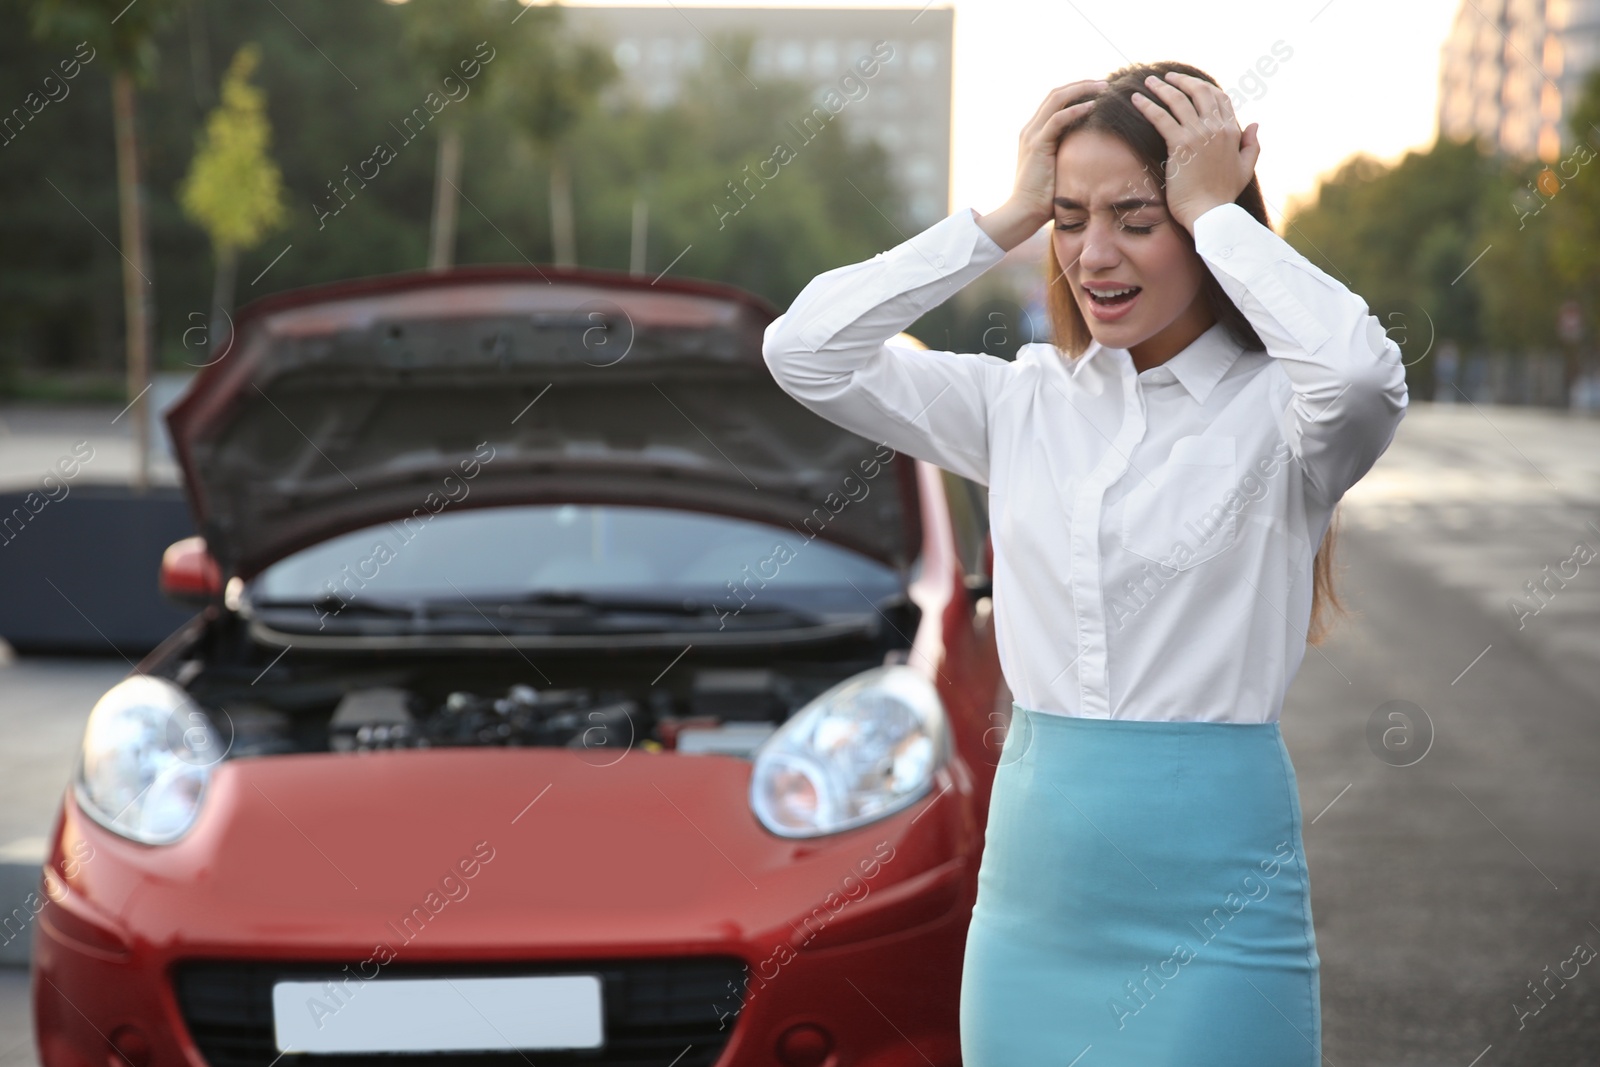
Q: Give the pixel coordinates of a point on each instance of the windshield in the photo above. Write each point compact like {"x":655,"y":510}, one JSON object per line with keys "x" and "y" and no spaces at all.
{"x":599,"y":552}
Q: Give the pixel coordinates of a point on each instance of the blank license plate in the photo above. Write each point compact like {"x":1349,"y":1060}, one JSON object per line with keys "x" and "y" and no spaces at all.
{"x":438,"y":1014}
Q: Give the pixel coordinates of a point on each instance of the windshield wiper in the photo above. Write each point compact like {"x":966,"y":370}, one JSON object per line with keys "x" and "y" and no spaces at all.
{"x":330,"y":605}
{"x":655,"y":605}
{"x":552,"y":606}
{"x":548,"y":604}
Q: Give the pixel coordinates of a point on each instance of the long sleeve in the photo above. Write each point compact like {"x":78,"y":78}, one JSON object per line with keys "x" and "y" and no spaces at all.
{"x":1348,"y":384}
{"x":830,"y":351}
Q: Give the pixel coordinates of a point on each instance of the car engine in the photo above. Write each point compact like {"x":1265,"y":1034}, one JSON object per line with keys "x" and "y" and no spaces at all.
{"x":522,"y":715}
{"x":723,"y":710}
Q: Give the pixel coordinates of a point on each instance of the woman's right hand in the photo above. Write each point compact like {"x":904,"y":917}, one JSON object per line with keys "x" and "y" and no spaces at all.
{"x":1031,"y":204}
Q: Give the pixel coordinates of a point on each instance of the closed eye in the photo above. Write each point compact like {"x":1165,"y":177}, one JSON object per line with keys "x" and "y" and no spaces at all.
{"x":1074,"y":227}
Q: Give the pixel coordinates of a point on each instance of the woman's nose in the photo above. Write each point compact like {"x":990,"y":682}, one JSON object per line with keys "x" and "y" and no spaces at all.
{"x":1099,"y":253}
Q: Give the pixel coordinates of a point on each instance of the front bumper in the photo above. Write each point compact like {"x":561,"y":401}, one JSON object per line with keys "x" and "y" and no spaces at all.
{"x":165,"y":957}
{"x":887,"y":1002}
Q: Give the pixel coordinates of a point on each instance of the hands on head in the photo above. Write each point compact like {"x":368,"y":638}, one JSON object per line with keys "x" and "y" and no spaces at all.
{"x":1209,"y":159}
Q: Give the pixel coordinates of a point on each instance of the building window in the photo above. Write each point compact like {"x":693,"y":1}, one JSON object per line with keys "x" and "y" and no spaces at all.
{"x":792,"y":57}
{"x":1552,"y":56}
{"x":1549,"y":144}
{"x":761,"y":59}
{"x":1550,"y":103}
{"x":897,"y":60}
{"x":824,"y":58}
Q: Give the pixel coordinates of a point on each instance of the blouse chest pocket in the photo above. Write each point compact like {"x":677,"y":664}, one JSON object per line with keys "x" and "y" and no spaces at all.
{"x":1180,"y":515}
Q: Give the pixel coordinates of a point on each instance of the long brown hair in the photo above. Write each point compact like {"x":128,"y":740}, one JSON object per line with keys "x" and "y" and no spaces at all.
{"x":1115,"y":113}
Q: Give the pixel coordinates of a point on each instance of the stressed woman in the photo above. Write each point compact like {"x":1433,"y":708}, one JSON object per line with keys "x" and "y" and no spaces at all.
{"x":1162,"y":481}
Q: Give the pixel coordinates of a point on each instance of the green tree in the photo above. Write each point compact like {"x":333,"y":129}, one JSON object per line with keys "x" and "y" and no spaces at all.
{"x":1575,"y":213}
{"x":126,"y":32}
{"x":1401,"y":236}
{"x":234,"y":190}
{"x":60,"y":307}
{"x":553,"y":84}
{"x":437,"y":35}
{"x":725,"y":203}
{"x":1517,"y":284}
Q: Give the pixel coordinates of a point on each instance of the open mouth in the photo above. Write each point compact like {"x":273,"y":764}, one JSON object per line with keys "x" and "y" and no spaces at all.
{"x":1111,"y":298}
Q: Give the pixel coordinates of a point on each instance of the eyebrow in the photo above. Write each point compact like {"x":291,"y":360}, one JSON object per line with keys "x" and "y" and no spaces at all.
{"x":1132,"y":204}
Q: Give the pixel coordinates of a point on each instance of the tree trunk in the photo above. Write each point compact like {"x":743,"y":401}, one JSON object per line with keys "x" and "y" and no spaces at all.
{"x":641,"y":232}
{"x":135,"y":277}
{"x":220,"y":334}
{"x":447,"y":179}
{"x":562,"y":233}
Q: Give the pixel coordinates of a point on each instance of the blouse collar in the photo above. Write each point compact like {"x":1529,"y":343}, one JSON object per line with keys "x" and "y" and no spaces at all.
{"x":1198,"y":368}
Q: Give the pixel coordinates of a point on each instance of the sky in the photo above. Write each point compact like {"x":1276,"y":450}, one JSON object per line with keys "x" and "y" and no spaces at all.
{"x":1362,"y":75}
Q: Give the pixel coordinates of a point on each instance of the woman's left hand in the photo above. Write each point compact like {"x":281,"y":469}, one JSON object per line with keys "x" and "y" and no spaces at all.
{"x":1209,"y":161}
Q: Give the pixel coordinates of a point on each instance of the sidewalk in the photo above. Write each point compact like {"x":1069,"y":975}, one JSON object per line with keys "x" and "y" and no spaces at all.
{"x":33,"y":437}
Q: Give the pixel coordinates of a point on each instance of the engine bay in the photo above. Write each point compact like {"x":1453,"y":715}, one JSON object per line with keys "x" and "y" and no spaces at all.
{"x":264,"y":700}
{"x":726,"y":707}
{"x":728,"y":711}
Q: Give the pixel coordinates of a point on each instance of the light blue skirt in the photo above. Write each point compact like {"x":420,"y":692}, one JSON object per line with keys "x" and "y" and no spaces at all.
{"x":1143,"y":901}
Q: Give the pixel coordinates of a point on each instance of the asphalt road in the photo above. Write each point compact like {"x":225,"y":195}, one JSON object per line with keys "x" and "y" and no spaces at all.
{"x":1444,"y":886}
{"x":1442,"y":889}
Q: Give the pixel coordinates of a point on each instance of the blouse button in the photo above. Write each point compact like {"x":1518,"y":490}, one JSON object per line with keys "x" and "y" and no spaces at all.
{"x":1226,"y":252}
{"x":938,"y":260}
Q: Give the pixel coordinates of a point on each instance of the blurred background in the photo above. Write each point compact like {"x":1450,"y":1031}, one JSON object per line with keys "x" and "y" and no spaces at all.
{"x":163,"y":162}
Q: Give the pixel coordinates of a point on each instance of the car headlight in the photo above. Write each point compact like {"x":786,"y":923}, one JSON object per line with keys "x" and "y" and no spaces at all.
{"x":147,"y":756}
{"x":862,"y":750}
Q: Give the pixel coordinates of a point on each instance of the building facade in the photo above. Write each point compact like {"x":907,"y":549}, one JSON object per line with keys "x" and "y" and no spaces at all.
{"x":1512,"y":70}
{"x":906,"y":110}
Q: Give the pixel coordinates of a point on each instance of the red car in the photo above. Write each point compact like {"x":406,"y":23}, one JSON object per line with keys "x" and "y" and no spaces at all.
{"x":561,"y":692}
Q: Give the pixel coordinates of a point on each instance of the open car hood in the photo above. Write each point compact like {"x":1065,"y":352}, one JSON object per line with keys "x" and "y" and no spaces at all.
{"x":340,"y":406}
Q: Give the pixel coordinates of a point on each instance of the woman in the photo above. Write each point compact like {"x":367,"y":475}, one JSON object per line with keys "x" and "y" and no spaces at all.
{"x":1158,"y":478}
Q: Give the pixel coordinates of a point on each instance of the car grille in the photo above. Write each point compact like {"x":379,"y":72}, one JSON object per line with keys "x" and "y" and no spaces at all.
{"x":656,"y":1010}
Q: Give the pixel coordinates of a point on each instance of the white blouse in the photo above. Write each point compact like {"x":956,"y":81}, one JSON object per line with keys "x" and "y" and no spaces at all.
{"x":1153,"y":532}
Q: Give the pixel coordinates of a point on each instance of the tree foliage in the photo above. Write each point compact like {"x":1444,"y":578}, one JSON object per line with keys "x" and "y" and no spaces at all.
{"x":1575,"y":209}
{"x":1485,"y":249}
{"x":233,"y":190}
{"x":553,"y":85}
{"x":1400,"y":237}
{"x":436,"y":34}
{"x":331,"y":105}
{"x":126,"y":32}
